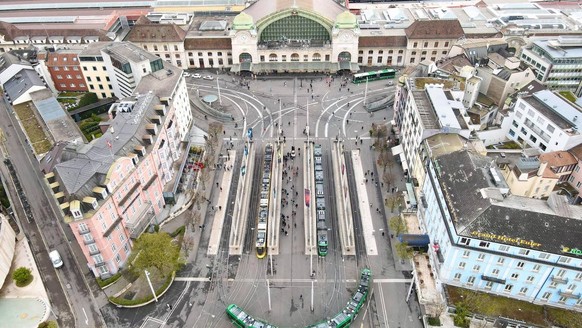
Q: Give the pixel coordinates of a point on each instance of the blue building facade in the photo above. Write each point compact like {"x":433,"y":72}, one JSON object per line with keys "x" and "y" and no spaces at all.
{"x":487,"y":240}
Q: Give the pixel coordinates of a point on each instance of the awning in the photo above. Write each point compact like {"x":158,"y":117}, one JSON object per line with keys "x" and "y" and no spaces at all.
{"x":397,"y":150}
{"x":294,"y":67}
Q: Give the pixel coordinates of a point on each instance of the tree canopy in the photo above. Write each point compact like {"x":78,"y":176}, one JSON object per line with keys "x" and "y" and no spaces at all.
{"x":155,"y":251}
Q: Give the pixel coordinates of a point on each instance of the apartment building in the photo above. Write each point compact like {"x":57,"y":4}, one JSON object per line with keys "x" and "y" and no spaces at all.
{"x":556,"y":61}
{"x":545,"y":121}
{"x":111,"y":189}
{"x":65,"y":70}
{"x":163,"y":40}
{"x":431,"y":40}
{"x":428,"y":109}
{"x":95,"y":72}
{"x":484,"y":239}
{"x":529,"y":177}
{"x":575,"y":178}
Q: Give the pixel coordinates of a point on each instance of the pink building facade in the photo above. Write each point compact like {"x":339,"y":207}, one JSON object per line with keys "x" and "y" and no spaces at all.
{"x":112,"y":189}
{"x":575,"y":178}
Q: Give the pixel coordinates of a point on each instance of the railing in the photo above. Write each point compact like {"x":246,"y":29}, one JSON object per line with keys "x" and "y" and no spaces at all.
{"x":94,"y":252}
{"x":560,"y":280}
{"x":84,"y":231}
{"x":87,"y":242}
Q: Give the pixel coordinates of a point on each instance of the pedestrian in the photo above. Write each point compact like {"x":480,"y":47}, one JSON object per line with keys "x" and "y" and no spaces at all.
{"x":217,"y":185}
{"x":219,"y":207}
{"x":220,"y":188}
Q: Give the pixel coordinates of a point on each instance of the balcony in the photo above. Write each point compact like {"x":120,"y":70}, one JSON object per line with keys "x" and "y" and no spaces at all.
{"x":568,"y":294}
{"x":141,"y":221}
{"x":94,"y":252}
{"x":493,"y":279}
{"x":99,"y":264}
{"x":559,"y":280}
{"x":84,"y":231}
{"x":89,"y":241}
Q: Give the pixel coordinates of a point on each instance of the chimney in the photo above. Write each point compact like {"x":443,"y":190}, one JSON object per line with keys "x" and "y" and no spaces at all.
{"x":542,"y":168}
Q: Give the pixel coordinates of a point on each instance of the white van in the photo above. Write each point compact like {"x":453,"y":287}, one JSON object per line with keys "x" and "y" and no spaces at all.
{"x":56,"y":259}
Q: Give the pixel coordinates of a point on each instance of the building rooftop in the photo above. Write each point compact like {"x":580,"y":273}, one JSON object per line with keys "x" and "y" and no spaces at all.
{"x":21,"y":82}
{"x":562,"y":47}
{"x":128,"y":52}
{"x":482,"y":209}
{"x":558,"y":158}
{"x":58,"y":122}
{"x":156,"y":33}
{"x":435,"y":29}
{"x":261,"y":9}
{"x":568,"y":112}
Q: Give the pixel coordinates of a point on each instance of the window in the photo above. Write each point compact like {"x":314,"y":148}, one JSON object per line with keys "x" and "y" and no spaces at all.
{"x":488,"y":285}
{"x":483,"y":244}
{"x":113,"y":248}
{"x":476,"y":268}
{"x":536,"y":268}
{"x":518,"y":114}
{"x":565,"y":260}
{"x":520,"y":264}
{"x":523,"y":290}
{"x":425,"y":44}
{"x":578,"y":276}
{"x":523,"y":252}
{"x":563,"y":299}
{"x":571,"y":287}
{"x":495,"y":272}
{"x":481,"y":257}
{"x":514,"y":123}
{"x":530,"y":279}
{"x":500,"y":261}
{"x":508,"y":288}
{"x":514,"y":276}
{"x":471,"y":280}
{"x":546,"y":296}
{"x":462,"y":265}
{"x":561,"y":273}
{"x":436,"y":44}
{"x":465,"y":241}
{"x":415,"y":44}
{"x":544,"y":256}
{"x":175,"y":47}
{"x":446,"y":44}
{"x":466,"y":253}
{"x":553,"y":284}
{"x":457,"y":276}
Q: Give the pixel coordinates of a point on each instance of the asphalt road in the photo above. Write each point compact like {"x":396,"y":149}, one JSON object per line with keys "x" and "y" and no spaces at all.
{"x":69,"y":294}
{"x":267,"y":106}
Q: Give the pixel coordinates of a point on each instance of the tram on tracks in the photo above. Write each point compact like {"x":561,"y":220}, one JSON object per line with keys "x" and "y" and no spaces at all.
{"x":343,"y":319}
{"x":322,"y":240}
{"x":263,"y":213}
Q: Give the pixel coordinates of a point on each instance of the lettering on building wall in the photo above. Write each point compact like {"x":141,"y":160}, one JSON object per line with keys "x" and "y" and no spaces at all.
{"x":505,"y":239}
{"x":574,"y":251}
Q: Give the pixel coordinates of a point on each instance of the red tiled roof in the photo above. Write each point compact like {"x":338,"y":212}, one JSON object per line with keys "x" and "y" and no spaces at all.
{"x":207,"y":43}
{"x":576,"y":151}
{"x":71,"y":59}
{"x":156,"y":33}
{"x":382,"y":41}
{"x":435,"y":29}
{"x":10,"y":32}
{"x":558,"y":158}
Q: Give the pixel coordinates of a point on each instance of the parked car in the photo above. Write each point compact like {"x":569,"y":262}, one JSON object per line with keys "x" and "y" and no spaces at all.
{"x":208,"y":77}
{"x":56,"y":259}
{"x":196,"y":76}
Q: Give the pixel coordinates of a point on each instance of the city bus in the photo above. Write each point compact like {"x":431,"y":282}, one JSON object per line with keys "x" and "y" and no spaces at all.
{"x":383,"y":74}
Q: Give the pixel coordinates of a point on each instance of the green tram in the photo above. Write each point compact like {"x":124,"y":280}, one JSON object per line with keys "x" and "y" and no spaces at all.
{"x":343,"y":319}
{"x":322,"y":240}
{"x":383,"y":74}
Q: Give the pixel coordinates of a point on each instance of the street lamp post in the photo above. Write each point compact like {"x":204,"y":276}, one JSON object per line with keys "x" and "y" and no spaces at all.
{"x":147,"y":273}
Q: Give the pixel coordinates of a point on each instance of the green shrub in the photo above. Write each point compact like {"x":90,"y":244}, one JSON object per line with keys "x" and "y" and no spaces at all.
{"x":88,"y":99}
{"x":108,"y":281}
{"x":124,"y":302}
{"x":178,"y":231}
{"x":434,"y":321}
{"x":48,"y":324}
{"x":22,"y":276}
{"x":460,"y":319}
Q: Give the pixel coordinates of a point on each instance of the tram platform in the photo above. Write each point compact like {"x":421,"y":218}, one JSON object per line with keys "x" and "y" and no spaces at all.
{"x":342,"y":196}
{"x":274,"y":218}
{"x":309,"y":210}
{"x":220,"y":207}
{"x":241,"y":207}
{"x":364,"y":204}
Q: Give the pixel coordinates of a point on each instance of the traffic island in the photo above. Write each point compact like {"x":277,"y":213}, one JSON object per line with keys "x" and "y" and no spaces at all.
{"x":138,"y":293}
